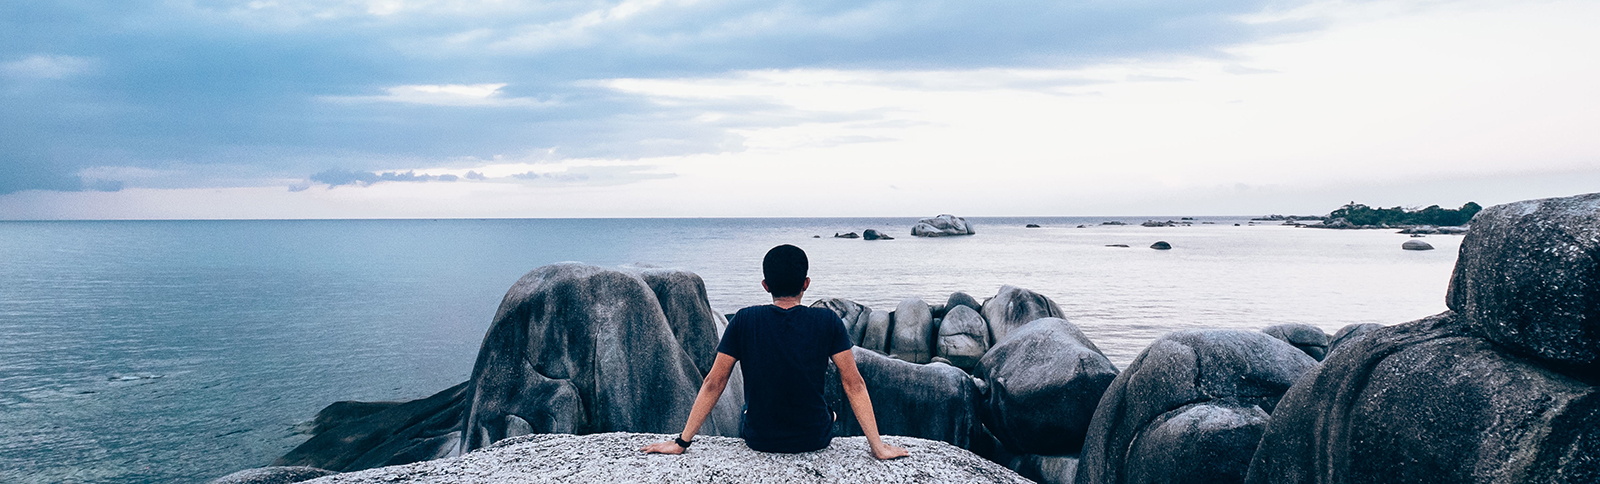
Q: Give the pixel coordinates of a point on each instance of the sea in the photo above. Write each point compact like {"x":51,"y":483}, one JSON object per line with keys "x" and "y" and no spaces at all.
{"x":181,"y":351}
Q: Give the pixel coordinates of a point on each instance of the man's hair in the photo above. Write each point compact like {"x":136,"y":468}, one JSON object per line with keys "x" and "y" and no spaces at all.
{"x":785,"y":270}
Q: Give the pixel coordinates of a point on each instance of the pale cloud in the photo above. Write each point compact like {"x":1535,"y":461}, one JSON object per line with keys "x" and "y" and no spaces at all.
{"x":463,"y":95}
{"x":42,"y":66}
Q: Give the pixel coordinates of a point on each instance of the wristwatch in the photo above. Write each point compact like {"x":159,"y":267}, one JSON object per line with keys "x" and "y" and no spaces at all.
{"x":678,"y":439}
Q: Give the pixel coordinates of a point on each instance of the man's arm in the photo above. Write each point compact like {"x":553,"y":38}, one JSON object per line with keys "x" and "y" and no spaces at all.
{"x":856,"y":389}
{"x":710,"y":391}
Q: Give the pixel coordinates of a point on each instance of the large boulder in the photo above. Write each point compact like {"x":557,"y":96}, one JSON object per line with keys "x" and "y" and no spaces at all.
{"x":1188,"y":407}
{"x":573,"y":349}
{"x":1351,"y":332}
{"x":1013,"y":307}
{"x":942,"y":225}
{"x":933,"y":401}
{"x":959,"y":298}
{"x":273,"y":475}
{"x":614,"y":457}
{"x":581,"y":349}
{"x":1528,"y":278}
{"x":1307,"y":338}
{"x":855,"y":316}
{"x":682,"y":296}
{"x":875,"y":336}
{"x":963,"y":337}
{"x":913,"y":332}
{"x":1044,"y":384}
{"x":1431,"y":401}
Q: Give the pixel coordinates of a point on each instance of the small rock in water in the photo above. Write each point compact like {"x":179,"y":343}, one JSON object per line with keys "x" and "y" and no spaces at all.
{"x":847,"y":235}
{"x":871,"y":234}
{"x":1161,"y":245}
{"x":816,"y":236}
{"x":1031,"y":226}
{"x":1116,"y":245}
{"x":1416,"y":245}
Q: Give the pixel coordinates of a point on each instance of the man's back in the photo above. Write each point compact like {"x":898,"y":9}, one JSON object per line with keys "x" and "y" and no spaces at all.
{"x":784,"y":356}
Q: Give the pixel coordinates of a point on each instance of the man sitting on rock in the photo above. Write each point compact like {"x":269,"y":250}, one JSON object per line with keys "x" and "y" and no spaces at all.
{"x":785,"y":348}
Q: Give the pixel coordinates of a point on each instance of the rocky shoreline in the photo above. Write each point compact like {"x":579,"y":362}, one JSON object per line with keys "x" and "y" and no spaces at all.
{"x":1499,"y":388}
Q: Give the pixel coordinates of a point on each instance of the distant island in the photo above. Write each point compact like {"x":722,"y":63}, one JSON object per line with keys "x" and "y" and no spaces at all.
{"x":1355,"y":215}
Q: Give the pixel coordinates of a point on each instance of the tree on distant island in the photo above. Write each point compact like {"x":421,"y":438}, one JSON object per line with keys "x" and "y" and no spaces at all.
{"x":1358,"y":214}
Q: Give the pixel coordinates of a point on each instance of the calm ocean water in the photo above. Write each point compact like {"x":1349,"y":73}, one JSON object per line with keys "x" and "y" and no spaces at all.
{"x":181,"y":351}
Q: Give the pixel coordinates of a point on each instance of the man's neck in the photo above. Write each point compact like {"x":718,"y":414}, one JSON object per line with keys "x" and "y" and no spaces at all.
{"x":786,"y":302}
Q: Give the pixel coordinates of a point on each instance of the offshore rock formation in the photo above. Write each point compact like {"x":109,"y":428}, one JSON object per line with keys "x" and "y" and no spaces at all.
{"x":1190,"y":408}
{"x":1416,"y":245}
{"x":1501,"y":388}
{"x":942,"y":225}
{"x":614,"y":458}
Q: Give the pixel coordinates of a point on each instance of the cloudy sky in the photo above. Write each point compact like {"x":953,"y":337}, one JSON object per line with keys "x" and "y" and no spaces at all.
{"x":589,"y":108}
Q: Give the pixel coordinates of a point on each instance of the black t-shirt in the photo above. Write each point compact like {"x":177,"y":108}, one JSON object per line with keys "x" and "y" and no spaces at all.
{"x":784,"y":356}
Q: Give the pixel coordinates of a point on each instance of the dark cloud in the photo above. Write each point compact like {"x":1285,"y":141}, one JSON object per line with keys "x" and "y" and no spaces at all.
{"x":218,"y":82}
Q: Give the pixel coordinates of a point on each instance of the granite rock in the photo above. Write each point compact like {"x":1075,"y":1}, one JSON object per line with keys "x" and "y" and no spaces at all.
{"x":615,"y":458}
{"x":913,"y":337}
{"x":1528,"y":278}
{"x":854,"y":315}
{"x":935,"y":401}
{"x":1190,"y":386}
{"x":1013,"y":307}
{"x":963,"y":337}
{"x":1431,"y":401}
{"x":1307,"y":338}
{"x":1350,"y":332}
{"x":942,"y":225}
{"x":1416,"y":245}
{"x":1044,"y":384}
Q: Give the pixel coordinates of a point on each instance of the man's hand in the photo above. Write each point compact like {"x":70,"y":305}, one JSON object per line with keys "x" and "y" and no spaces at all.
{"x":885,"y":452}
{"x":663,"y":448}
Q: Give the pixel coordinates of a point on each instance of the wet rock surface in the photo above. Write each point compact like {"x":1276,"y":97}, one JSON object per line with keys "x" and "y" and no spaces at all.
{"x":614,"y":457}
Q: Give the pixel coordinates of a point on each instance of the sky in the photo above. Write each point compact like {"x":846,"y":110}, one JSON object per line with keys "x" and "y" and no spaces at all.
{"x":201,"y":109}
